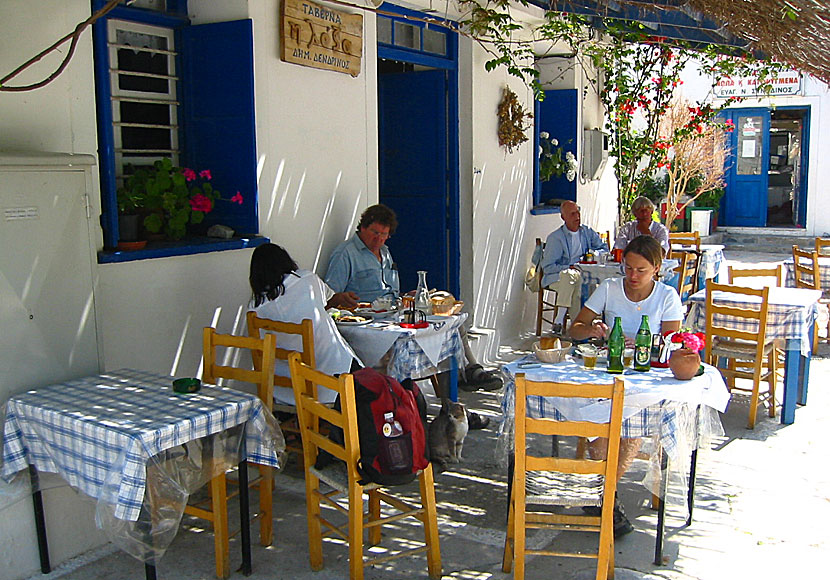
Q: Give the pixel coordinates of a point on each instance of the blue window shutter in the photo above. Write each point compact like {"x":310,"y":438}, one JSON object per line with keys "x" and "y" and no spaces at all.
{"x":220,"y":128}
{"x":557,"y":114}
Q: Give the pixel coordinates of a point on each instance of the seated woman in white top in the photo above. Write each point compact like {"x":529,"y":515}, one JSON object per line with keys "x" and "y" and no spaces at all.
{"x":643,"y":225}
{"x":284,"y":293}
{"x":630,"y":297}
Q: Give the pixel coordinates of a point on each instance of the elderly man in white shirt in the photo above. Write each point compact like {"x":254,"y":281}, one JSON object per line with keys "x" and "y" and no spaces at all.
{"x":563,"y":249}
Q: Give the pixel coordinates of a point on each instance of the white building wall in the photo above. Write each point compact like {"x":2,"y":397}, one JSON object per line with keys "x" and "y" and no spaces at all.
{"x":317,"y":148}
{"x":816,"y":97}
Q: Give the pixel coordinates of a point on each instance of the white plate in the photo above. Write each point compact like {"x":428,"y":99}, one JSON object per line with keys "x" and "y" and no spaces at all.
{"x":376,"y":313}
{"x":350,"y":323}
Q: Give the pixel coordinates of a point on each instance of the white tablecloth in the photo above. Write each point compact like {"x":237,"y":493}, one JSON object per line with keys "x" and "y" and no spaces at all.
{"x":413,"y":353}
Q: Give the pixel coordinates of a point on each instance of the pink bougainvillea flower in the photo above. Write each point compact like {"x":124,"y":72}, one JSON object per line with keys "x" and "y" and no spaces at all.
{"x":205,"y":174}
{"x":189,"y":174}
{"x":237,"y":198}
{"x":200,"y":203}
{"x":730,"y":126}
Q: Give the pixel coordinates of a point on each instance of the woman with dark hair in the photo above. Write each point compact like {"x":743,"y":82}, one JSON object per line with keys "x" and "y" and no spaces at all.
{"x":283,"y":292}
{"x":638,"y":293}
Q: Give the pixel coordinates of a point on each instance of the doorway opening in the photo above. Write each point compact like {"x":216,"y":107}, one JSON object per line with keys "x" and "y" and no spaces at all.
{"x":786,"y":168}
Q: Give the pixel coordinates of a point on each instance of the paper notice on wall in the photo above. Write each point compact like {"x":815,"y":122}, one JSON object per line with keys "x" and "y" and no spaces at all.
{"x":748,"y":148}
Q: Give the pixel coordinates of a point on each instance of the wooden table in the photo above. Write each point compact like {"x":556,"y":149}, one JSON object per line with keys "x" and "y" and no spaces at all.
{"x":790,"y":317}
{"x":104,"y":434}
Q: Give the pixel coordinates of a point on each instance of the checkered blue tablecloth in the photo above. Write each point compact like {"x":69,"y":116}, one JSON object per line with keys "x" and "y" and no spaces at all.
{"x":100,"y":432}
{"x":790,"y":314}
{"x":407,"y":356}
{"x":657,"y":407}
{"x":823,"y":272}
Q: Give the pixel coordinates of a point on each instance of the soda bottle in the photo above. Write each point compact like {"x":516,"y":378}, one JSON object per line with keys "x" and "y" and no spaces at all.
{"x":395,"y":451}
{"x":642,"y":346}
{"x":616,"y":345}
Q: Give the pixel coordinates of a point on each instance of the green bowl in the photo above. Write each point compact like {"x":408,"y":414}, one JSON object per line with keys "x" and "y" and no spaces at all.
{"x":188,"y":385}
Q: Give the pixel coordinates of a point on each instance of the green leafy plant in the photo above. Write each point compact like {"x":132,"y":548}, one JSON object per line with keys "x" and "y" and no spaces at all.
{"x":554,"y":161}
{"x":710,"y":198}
{"x":173,"y":197}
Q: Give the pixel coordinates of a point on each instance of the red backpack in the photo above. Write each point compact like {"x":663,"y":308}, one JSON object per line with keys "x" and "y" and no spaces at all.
{"x":376,"y":395}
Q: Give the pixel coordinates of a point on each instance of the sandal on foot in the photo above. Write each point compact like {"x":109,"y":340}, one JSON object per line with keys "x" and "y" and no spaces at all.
{"x":476,"y":421}
{"x":476,"y":377}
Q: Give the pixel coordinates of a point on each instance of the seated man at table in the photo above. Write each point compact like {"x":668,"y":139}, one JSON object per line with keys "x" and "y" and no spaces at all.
{"x":283,"y":292}
{"x":363,"y":265}
{"x":563,"y":249}
{"x":643,"y":225}
{"x":631,"y":297}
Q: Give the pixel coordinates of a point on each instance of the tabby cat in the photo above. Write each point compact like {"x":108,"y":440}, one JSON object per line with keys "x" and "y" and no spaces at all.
{"x":446,"y":434}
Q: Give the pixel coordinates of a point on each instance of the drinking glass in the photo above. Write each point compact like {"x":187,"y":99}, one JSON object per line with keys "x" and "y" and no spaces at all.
{"x":628,"y":357}
{"x":589,"y":356}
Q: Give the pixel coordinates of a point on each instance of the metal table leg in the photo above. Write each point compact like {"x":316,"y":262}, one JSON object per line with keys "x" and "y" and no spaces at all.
{"x":40,"y":521}
{"x":244,"y":517}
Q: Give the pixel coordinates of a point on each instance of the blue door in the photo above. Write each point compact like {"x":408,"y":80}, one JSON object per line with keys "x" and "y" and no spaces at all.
{"x":414,"y":174}
{"x":747,"y":179}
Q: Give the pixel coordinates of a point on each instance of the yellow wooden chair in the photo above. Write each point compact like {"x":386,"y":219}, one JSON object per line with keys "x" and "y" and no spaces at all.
{"x":821,"y":244}
{"x":344,"y":479}
{"x":540,"y":482}
{"x":685,"y":239}
{"x":217,"y":510}
{"x":687,"y":272}
{"x":305,"y":331}
{"x":547,"y":310}
{"x":807,"y":274}
{"x":740,"y":340}
{"x":775,"y":275}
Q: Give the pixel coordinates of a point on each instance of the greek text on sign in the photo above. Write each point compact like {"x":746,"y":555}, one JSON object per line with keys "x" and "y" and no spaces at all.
{"x":784,"y":83}
{"x":319,"y":37}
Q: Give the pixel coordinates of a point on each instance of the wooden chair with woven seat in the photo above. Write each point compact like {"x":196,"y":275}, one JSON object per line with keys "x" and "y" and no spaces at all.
{"x":823,"y":246}
{"x":687,"y":272}
{"x":738,"y":337}
{"x":304,"y":332}
{"x":342,"y":477}
{"x":543,"y":481}
{"x":217,"y":511}
{"x":770,"y":274}
{"x":546,"y":303}
{"x":807,"y":274}
{"x":691,"y":239}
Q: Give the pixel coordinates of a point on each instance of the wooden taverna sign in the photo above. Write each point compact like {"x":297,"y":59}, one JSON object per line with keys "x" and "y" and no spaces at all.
{"x":317,"y":36}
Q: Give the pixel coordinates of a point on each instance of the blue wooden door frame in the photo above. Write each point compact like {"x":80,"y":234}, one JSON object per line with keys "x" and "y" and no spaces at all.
{"x":745,"y":202}
{"x":450,"y":65}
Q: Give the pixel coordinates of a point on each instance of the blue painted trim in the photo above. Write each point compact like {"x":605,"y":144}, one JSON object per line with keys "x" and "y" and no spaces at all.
{"x":396,"y":53}
{"x":453,"y":217}
{"x":184,"y":248}
{"x":106,"y":140}
{"x":544,"y":210}
{"x":173,"y":18}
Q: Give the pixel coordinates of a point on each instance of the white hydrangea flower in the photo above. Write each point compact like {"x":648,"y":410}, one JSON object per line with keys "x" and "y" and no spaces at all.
{"x":554,"y":142}
{"x":571,"y":174}
{"x":544,"y":135}
{"x":541,"y":150}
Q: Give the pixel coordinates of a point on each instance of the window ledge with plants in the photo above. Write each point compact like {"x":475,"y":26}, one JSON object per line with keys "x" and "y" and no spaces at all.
{"x":161,"y":212}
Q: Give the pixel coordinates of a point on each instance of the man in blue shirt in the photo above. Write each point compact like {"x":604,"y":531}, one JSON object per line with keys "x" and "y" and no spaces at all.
{"x":363,"y":265}
{"x":563,"y":249}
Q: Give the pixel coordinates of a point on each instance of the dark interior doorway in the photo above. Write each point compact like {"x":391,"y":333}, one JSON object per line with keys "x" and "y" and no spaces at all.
{"x":786,"y":167}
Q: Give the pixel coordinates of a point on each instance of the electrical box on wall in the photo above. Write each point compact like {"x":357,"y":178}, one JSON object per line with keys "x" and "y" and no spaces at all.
{"x":594,"y":153}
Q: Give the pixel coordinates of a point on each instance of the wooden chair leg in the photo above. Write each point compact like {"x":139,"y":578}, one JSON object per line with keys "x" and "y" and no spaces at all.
{"x":356,"y":533}
{"x":266,"y":505}
{"x":539,"y":310}
{"x":219,"y":505}
{"x":509,"y":544}
{"x":427,"y":484}
{"x":374,"y":514}
{"x":753,"y":401}
{"x":315,"y":532}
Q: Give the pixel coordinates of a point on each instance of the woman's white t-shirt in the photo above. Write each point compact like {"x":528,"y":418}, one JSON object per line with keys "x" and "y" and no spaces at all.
{"x":305,"y":297}
{"x":662,"y":305}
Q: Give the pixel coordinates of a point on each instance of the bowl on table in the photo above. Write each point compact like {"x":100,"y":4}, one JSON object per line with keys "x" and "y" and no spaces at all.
{"x":552,"y":355}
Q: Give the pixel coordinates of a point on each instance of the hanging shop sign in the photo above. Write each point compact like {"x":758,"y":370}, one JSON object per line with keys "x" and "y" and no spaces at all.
{"x":785,"y":83}
{"x":317,"y":36}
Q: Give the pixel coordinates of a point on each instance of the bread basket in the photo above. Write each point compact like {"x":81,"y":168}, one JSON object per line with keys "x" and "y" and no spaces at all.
{"x":447,"y":309}
{"x":551,"y":355}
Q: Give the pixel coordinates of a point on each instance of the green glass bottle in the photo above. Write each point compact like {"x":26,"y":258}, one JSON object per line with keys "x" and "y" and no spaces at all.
{"x":616,"y":345}
{"x":642,"y":347}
